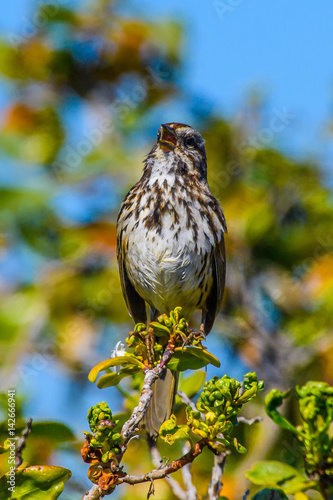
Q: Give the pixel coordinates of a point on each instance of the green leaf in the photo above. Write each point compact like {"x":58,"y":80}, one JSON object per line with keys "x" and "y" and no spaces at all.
{"x":269,"y":494}
{"x":39,"y":482}
{"x":160,"y":330}
{"x":107,"y":363}
{"x":56,"y":431}
{"x":111,"y":379}
{"x":171,"y":432}
{"x":273,"y":400}
{"x":204,"y":355}
{"x":273,"y":474}
{"x":250,"y":393}
{"x":239,"y":447}
{"x":191,"y":385}
{"x":191,"y":358}
{"x":108,"y":380}
{"x":129,"y":370}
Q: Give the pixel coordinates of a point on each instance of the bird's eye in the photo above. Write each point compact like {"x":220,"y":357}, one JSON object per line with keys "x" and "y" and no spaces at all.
{"x":190,"y":142}
{"x":158,"y":135}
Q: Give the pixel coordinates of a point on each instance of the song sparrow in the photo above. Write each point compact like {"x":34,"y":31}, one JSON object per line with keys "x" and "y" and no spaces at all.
{"x":170,"y":244}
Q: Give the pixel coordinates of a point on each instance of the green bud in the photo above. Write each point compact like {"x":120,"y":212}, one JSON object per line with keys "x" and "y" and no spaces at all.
{"x":105,"y":457}
{"x":140,"y":327}
{"x":211,"y":418}
{"x":195,"y":423}
{"x":217,"y":395}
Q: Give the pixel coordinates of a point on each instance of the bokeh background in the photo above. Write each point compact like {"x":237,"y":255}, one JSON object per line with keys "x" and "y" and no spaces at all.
{"x":83,"y":88}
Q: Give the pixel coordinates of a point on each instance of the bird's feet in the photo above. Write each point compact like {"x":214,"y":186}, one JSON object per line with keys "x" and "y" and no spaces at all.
{"x":195,"y":337}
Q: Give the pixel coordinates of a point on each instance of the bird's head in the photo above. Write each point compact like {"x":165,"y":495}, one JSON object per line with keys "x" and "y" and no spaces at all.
{"x":180,"y":144}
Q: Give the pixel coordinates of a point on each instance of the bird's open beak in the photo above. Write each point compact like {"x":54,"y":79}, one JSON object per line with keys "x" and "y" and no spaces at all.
{"x":168,"y":139}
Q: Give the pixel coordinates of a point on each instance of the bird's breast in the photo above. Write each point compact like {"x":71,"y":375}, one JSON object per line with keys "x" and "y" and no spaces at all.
{"x":167,"y":255}
{"x":165,"y":274}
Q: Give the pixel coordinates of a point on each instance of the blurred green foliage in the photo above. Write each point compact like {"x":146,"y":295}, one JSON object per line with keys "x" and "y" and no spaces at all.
{"x":84,"y":85}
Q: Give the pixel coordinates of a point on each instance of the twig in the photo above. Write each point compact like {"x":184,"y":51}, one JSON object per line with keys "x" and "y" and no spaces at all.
{"x":162,"y":472}
{"x":249,"y":421}
{"x":21,"y":443}
{"x":95,"y":493}
{"x":158,"y":461}
{"x":191,"y":491}
{"x":215,"y":485}
{"x":186,"y":400}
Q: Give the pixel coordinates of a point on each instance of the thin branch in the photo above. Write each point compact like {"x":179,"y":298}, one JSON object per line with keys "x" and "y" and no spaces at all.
{"x":191,"y":491}
{"x":170,"y":468}
{"x":249,"y":421}
{"x":215,"y":485}
{"x":95,"y":493}
{"x":186,"y":400}
{"x":20,"y":445}
{"x":158,"y":462}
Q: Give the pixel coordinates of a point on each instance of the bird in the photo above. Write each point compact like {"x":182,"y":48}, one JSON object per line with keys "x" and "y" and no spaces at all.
{"x":170,"y":246}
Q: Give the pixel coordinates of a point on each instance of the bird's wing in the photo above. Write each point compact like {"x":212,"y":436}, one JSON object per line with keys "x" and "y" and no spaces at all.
{"x":214,"y":299}
{"x":135,"y":304}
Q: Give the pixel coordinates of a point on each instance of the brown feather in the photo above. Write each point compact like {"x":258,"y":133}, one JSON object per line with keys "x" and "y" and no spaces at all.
{"x":214,"y":299}
{"x":161,"y":404}
{"x":135,"y":304}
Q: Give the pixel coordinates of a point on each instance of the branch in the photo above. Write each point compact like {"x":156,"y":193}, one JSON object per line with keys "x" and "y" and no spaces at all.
{"x":130,"y":427}
{"x":95,"y":493}
{"x":215,"y":485}
{"x":186,"y":400}
{"x":191,"y":491}
{"x":249,"y":421}
{"x":21,"y":443}
{"x":170,"y":468}
{"x":158,"y":461}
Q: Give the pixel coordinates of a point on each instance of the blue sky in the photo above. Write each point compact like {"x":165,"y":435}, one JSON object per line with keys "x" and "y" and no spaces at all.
{"x":231,"y":46}
{"x":283,"y":48}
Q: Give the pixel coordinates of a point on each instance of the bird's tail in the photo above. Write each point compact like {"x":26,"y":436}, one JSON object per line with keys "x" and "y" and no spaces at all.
{"x":161,"y":404}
